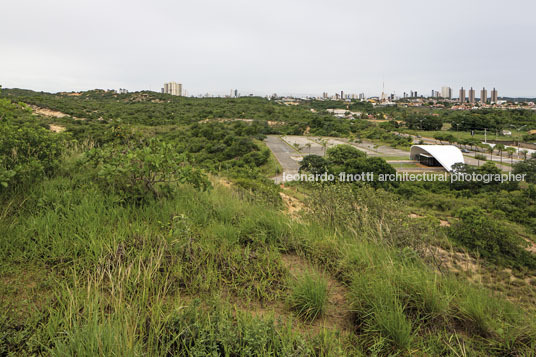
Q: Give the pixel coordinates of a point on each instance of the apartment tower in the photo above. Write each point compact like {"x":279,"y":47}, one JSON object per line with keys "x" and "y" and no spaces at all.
{"x":471,"y":95}
{"x":483,"y":96}
{"x":446,"y":92}
{"x":172,"y":88}
{"x":494,"y":96}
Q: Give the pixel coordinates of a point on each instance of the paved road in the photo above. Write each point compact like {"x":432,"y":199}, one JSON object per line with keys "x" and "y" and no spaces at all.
{"x":314,"y":145}
{"x":472,"y":161}
{"x":287,"y":156}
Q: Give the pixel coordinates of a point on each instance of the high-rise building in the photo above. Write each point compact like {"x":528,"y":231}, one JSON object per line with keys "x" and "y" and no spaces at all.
{"x":383,"y":97}
{"x":172,"y":88}
{"x":471,"y":95}
{"x":462,"y":95}
{"x":361,"y":96}
{"x":483,"y":96}
{"x":342,"y":94}
{"x":446,"y":92}
{"x":494,"y":96}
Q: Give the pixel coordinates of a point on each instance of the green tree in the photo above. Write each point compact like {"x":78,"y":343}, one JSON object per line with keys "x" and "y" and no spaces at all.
{"x":500,"y":148}
{"x":510,"y":151}
{"x":314,"y":164}
{"x":342,"y":154}
{"x":489,"y":149}
{"x":527,"y":167}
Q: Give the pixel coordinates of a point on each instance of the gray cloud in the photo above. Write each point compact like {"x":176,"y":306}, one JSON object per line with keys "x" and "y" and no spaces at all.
{"x":300,"y":47}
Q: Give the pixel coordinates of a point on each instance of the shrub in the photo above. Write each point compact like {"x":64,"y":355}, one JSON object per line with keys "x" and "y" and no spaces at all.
{"x":342,"y":154}
{"x":27,"y":152}
{"x":309,"y":296}
{"x":487,"y":237}
{"x":527,"y":168}
{"x":148,"y":171}
{"x":314,"y":164}
{"x":259,"y":190}
{"x":480,"y":157}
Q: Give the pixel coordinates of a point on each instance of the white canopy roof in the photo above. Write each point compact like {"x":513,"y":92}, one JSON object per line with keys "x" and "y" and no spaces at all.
{"x":446,"y":155}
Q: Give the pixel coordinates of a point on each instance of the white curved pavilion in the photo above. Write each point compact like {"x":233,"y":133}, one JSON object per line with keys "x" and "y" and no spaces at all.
{"x":445,"y":155}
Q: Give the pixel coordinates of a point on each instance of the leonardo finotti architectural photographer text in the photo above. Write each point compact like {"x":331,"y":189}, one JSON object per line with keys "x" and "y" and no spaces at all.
{"x":404,"y":176}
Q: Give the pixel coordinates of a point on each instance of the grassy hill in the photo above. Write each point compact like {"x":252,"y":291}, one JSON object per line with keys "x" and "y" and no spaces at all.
{"x":140,"y":243}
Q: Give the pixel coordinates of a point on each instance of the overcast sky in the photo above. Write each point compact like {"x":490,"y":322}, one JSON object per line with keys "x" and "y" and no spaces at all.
{"x":286,"y":47}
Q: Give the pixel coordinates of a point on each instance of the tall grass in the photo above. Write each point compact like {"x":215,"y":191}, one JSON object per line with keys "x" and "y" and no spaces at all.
{"x":127,"y":278}
{"x":309,"y":296}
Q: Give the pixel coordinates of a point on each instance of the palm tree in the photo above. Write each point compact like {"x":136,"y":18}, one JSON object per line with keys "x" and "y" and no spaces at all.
{"x":511,"y":151}
{"x":490,"y":149}
{"x":524,"y":153}
{"x":500,"y":148}
{"x":308,"y":146}
{"x":324,"y":144}
{"x":471,"y":143}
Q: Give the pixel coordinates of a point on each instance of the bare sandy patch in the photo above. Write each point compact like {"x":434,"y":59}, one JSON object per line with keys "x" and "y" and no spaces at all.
{"x":47,"y":112}
{"x":453,"y":261}
{"x":56,"y":128}
{"x":531,"y":247}
{"x":444,"y":223}
{"x":292,"y":205}
{"x":50,"y":113}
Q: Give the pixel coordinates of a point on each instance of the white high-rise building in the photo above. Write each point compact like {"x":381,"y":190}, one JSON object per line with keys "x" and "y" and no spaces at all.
{"x":172,"y":88}
{"x":446,"y":92}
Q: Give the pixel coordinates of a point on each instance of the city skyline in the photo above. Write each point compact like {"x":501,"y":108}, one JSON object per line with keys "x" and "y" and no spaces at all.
{"x":299,"y":48}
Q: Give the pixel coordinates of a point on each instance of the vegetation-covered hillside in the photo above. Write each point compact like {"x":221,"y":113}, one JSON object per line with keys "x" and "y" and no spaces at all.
{"x":155,"y":231}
